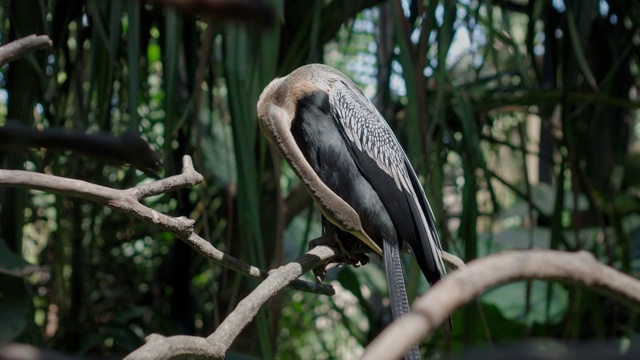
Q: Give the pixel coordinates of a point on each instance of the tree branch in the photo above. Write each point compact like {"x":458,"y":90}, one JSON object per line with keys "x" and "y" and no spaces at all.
{"x":128,"y":148}
{"x":128,"y":201}
{"x":277,"y":280}
{"x":454,"y":262}
{"x":159,"y":347}
{"x":462,"y":286}
{"x":20,"y":47}
{"x":29,"y":352}
{"x":216,"y":345}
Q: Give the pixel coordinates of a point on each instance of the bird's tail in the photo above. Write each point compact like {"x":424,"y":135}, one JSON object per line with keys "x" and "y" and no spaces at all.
{"x":397,"y":290}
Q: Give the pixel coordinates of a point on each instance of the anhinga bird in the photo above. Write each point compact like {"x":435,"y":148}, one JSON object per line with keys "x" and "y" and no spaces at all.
{"x":348,"y":158}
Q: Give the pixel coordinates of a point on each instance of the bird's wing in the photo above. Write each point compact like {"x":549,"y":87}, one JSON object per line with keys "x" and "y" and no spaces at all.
{"x":384,"y":164}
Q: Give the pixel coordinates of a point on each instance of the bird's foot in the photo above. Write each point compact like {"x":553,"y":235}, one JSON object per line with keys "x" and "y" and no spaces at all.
{"x":350,"y":258}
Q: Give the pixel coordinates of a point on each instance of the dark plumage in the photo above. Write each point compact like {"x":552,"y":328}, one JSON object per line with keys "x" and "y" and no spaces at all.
{"x":353,"y":166}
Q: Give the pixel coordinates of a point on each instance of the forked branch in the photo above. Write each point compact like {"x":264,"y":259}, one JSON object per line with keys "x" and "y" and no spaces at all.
{"x":128,"y":201}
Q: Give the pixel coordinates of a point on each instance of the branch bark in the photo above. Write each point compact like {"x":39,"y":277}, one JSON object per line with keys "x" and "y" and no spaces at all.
{"x":128,"y":201}
{"x":128,"y":148}
{"x":216,"y":345}
{"x":462,"y":286}
{"x":30,"y":352}
{"x":19,"y":48}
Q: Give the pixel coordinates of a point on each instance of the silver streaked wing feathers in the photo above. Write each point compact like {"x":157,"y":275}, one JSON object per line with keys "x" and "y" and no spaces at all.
{"x":364,"y":125}
{"x":367,"y":129}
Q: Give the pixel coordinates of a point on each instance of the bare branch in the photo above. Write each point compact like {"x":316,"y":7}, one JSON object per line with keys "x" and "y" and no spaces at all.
{"x":18,"y":48}
{"x":127,"y":201}
{"x":217,"y":344}
{"x":453,"y":261}
{"x":159,"y":347}
{"x":277,"y":280}
{"x":20,"y":272}
{"x":462,"y":286}
{"x":29,"y":352}
{"x":128,"y":148}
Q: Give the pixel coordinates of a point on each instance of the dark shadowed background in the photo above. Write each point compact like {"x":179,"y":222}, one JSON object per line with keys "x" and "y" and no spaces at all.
{"x":520,"y":117}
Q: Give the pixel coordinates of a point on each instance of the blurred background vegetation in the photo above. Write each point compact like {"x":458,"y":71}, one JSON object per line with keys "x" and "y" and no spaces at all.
{"x":520,"y":116}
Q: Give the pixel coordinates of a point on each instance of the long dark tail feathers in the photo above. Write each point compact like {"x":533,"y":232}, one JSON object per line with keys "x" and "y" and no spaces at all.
{"x":397,"y":289}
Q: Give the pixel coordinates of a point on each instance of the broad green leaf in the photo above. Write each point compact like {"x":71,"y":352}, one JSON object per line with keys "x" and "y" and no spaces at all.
{"x":12,"y":264}
{"x":14,"y":307}
{"x":509,"y":299}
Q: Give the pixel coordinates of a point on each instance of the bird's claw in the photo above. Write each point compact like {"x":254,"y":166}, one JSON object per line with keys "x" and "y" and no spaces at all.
{"x":345,"y":257}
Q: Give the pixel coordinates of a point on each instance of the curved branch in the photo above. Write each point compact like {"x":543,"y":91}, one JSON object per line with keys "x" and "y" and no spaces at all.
{"x":216,"y":345}
{"x":128,"y":148}
{"x":159,"y":347}
{"x":454,"y":262}
{"x":20,"y":47}
{"x":277,"y":280}
{"x":18,"y":351}
{"x":128,"y":201}
{"x":462,"y":286}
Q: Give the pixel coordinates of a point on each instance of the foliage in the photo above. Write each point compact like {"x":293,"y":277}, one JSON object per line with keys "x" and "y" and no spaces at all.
{"x":520,"y":117}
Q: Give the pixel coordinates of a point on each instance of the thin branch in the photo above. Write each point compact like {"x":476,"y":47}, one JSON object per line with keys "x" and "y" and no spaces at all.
{"x":128,"y":148}
{"x":128,"y":202}
{"x":21,"y":271}
{"x":277,"y":280}
{"x":29,"y":352}
{"x":454,"y":262}
{"x":216,"y":345}
{"x":159,"y":347}
{"x":462,"y":286}
{"x":20,"y":47}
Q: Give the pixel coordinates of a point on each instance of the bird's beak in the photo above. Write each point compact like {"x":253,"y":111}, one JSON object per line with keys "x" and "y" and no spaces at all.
{"x":367,"y":240}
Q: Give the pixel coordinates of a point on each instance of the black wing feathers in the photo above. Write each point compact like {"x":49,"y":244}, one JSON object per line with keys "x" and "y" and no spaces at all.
{"x":401,"y":209}
{"x":400,"y":204}
{"x":421,"y":249}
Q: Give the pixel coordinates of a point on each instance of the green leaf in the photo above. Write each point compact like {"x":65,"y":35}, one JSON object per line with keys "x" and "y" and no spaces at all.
{"x":578,"y":49}
{"x":133,"y":59}
{"x":14,"y":307}
{"x":519,"y":238}
{"x":500,"y":326}
{"x":509,"y":299}
{"x":13,"y":264}
{"x":631,"y":171}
